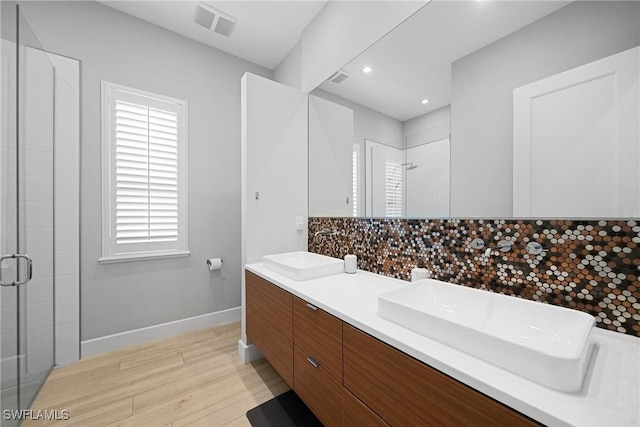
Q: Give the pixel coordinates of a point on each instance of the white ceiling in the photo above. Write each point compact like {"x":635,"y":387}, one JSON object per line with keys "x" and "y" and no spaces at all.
{"x":411,"y":63}
{"x":265,"y":32}
{"x":414,"y":60}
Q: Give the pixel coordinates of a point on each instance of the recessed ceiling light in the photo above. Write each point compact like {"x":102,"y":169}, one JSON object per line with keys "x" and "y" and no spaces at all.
{"x":425,"y":101}
{"x":367,"y":69}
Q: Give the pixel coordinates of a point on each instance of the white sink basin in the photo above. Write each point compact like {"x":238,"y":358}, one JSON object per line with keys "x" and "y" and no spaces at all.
{"x":303,"y":265}
{"x":544,"y":343}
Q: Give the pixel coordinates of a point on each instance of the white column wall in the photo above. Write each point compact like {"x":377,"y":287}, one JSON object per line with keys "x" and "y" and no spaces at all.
{"x":274,"y":176}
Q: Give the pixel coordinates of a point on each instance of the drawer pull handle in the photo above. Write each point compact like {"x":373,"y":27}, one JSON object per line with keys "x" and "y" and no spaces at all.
{"x":312,"y":307}
{"x":313,"y":362}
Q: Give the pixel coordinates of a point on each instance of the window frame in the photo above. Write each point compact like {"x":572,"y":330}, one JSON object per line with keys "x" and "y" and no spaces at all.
{"x":394,"y":200}
{"x":111,"y":250}
{"x":355,"y":178}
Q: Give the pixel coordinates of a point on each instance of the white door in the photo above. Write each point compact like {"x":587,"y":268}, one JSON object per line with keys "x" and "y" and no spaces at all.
{"x":576,"y":142}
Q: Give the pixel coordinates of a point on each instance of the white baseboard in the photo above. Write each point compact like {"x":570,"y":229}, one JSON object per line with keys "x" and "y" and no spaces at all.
{"x":150,"y":333}
{"x":248,"y":352}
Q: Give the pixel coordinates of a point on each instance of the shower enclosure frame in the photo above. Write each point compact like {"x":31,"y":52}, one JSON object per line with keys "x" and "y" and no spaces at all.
{"x":28,"y":116}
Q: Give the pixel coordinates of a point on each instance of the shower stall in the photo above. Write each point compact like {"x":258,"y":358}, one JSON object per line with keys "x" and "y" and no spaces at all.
{"x":28,"y":198}
{"x":410,"y":178}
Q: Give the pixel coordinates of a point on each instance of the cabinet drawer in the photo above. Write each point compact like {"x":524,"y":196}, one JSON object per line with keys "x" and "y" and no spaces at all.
{"x":274,"y":345}
{"x":319,"y":334}
{"x":273,"y":303}
{"x":320,"y":391}
{"x":406,"y":392}
{"x":355,"y":413}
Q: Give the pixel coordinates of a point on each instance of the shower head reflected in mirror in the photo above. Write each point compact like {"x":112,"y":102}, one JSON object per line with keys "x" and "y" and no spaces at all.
{"x":410,"y":166}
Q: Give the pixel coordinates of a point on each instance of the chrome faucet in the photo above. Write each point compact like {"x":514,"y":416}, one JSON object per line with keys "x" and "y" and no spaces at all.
{"x":502,"y":246}
{"x":326,"y":231}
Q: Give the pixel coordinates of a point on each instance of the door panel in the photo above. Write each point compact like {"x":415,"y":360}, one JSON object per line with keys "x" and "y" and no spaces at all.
{"x":35,"y":142}
{"x":8,"y":213}
{"x":576,"y":142}
{"x":26,"y":215}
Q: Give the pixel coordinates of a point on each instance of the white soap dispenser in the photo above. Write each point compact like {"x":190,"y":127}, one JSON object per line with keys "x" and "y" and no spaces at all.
{"x":419,"y":272}
{"x":350,"y":264}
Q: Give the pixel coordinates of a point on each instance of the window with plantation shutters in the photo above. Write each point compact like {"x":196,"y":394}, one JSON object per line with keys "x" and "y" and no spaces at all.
{"x":393,"y":189}
{"x":144,"y":177}
{"x":354,"y":179}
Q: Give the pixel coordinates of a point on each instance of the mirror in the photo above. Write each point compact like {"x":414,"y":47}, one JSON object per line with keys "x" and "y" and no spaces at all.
{"x":532,"y":111}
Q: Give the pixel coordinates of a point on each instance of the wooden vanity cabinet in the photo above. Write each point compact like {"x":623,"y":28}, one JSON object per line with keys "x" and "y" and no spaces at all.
{"x":270,"y":323}
{"x":350,"y":379}
{"x":406,"y":392}
{"x":319,"y":334}
{"x":317,"y":364}
{"x":317,"y":388}
{"x":271,"y":302}
{"x":356,"y":413}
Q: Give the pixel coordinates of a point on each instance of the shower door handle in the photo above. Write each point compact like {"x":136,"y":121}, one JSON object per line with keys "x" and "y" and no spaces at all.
{"x":29,"y":274}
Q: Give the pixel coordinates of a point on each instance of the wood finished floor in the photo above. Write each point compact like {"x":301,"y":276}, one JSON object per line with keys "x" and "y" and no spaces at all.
{"x":190,"y":380}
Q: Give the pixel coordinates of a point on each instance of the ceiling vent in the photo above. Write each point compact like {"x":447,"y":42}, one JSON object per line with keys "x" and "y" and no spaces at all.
{"x":207,"y":16}
{"x":204,"y":15}
{"x":225,"y":26}
{"x":339,"y":76}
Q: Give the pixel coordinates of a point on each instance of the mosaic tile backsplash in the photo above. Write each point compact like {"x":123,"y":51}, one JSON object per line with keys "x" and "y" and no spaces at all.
{"x":586,"y":265}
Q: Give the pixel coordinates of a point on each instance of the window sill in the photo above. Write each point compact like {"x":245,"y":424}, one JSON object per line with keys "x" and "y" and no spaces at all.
{"x":142,"y":256}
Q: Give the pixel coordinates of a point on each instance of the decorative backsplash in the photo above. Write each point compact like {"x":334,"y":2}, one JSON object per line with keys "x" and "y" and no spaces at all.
{"x":586,"y":265}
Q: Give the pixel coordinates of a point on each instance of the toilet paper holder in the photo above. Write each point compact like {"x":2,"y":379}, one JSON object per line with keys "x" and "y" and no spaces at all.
{"x":214,"y":263}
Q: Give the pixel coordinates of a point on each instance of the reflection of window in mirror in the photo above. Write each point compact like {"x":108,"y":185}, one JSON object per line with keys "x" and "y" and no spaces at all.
{"x":393,"y":189}
{"x":355,"y":175}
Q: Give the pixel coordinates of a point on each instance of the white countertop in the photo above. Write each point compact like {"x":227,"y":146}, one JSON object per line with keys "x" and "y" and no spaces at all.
{"x":610,"y":395}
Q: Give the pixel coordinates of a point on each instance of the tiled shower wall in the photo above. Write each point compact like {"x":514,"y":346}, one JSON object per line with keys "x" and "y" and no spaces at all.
{"x":587,"y":265}
{"x":67,"y":209}
{"x":50,"y":209}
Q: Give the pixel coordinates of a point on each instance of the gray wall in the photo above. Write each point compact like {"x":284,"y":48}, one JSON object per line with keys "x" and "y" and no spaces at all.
{"x":8,"y":20}
{"x":429,"y":127}
{"x":482,"y":93}
{"x":368,"y":123}
{"x":115,"y":47}
{"x":289,"y":71}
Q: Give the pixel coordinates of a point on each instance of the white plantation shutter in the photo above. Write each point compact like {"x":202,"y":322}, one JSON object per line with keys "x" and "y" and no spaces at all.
{"x":146,"y":174}
{"x":393,"y":189}
{"x":144,"y":141}
{"x":354,"y":195}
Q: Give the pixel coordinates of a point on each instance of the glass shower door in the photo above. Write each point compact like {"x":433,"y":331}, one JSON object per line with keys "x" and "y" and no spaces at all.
{"x":26,"y":216}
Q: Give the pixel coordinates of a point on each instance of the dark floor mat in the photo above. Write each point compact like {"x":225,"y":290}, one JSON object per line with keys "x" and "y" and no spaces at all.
{"x":286,"y":410}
